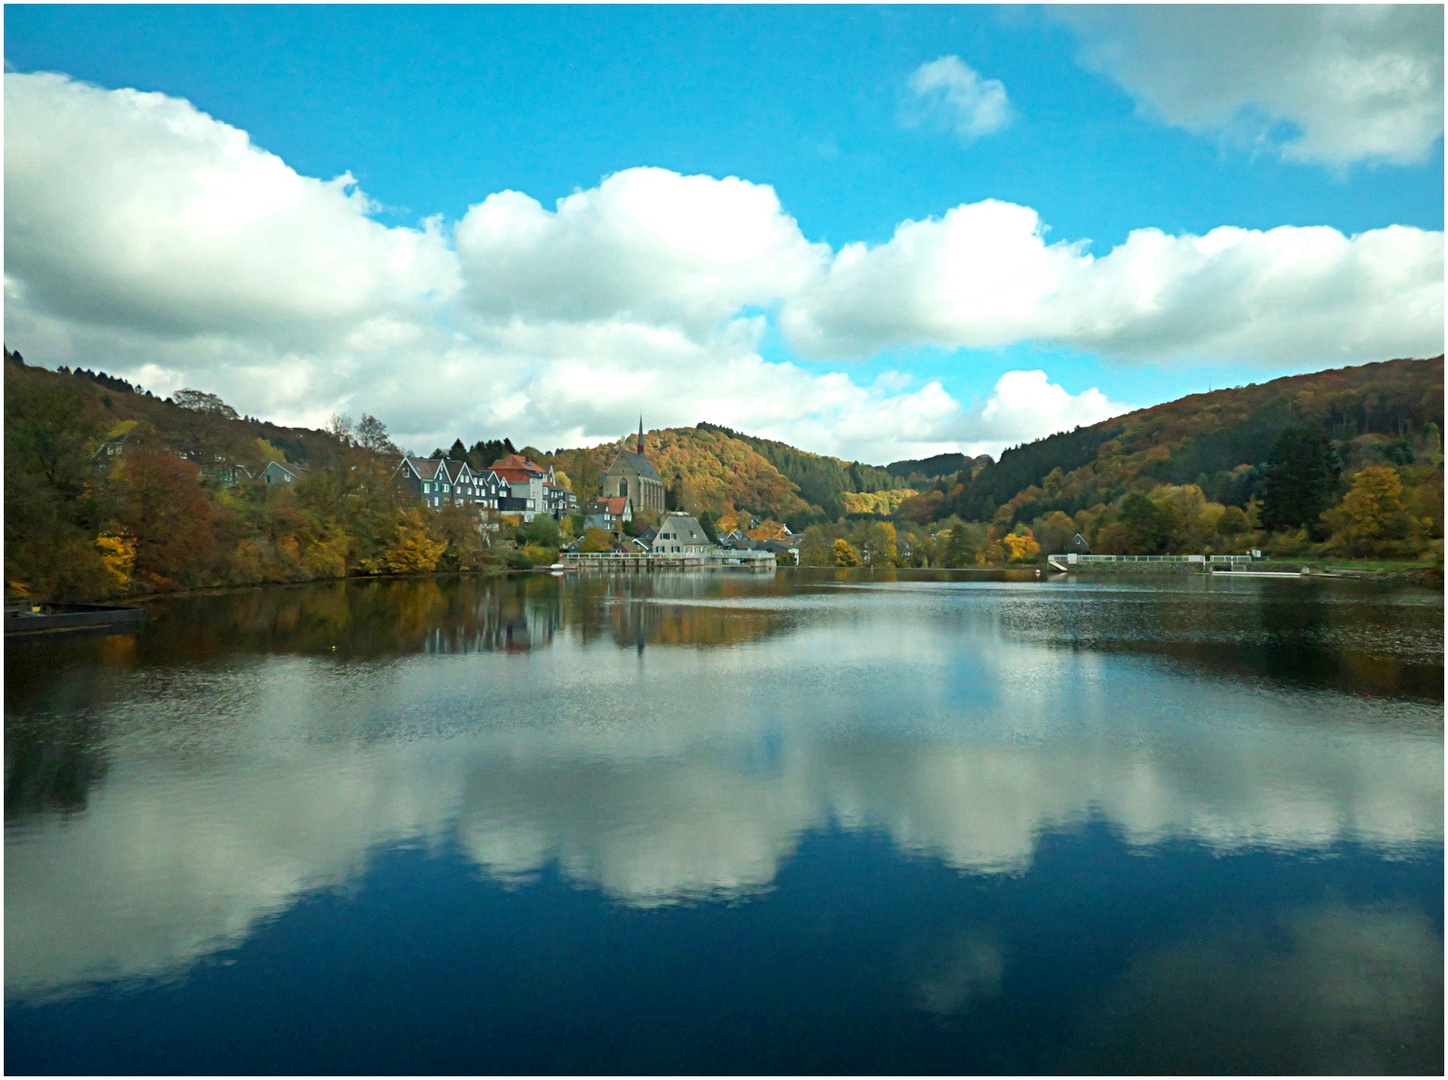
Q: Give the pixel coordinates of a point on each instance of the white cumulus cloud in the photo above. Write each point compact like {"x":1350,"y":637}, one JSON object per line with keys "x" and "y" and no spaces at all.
{"x":153,"y":241}
{"x":1334,"y":84}
{"x":138,"y":210}
{"x":985,"y":275}
{"x":1026,"y":405}
{"x":950,"y":95}
{"x":647,"y":244}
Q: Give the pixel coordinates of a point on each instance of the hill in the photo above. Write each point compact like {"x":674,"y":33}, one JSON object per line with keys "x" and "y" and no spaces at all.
{"x":199,"y":426}
{"x":714,"y":468}
{"x":702,"y":468}
{"x":1219,"y":441}
{"x":166,"y":511}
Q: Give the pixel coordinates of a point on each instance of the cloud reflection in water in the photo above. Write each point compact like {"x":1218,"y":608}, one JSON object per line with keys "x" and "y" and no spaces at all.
{"x":680,"y":773}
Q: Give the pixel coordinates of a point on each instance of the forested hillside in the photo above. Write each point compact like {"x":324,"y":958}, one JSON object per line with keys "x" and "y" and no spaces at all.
{"x":822,"y":481}
{"x":111,"y":490}
{"x":702,"y":468}
{"x":1219,"y":441}
{"x":167,"y":512}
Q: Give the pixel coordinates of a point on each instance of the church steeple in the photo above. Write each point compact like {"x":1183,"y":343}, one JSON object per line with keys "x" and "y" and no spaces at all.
{"x":641,"y":433}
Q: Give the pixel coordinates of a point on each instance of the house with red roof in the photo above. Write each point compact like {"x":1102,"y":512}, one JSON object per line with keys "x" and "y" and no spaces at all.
{"x":608,"y":514}
{"x":532,"y":489}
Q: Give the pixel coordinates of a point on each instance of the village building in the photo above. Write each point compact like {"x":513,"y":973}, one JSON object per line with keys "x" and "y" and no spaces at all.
{"x":439,"y":482}
{"x":514,"y":485}
{"x":225,"y":473}
{"x":680,"y":534}
{"x":632,"y":477}
{"x":279,"y":473}
{"x":532,"y":489}
{"x":608,"y":514}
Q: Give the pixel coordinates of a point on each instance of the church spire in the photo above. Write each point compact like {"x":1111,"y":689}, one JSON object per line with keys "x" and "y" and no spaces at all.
{"x":641,"y":433}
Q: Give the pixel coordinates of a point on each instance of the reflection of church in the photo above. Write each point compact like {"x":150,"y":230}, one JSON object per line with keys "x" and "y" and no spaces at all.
{"x":632,"y":477}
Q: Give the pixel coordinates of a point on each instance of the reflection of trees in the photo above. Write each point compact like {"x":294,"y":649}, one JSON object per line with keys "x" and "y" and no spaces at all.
{"x":456,"y":615}
{"x":360,"y":619}
{"x":54,"y":738}
{"x":1338,"y":636}
{"x":51,"y":763}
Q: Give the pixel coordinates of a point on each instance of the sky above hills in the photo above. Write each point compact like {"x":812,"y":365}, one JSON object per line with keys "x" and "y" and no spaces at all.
{"x":874,"y":232}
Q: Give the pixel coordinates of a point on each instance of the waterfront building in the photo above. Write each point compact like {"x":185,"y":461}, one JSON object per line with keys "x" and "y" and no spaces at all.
{"x":681,"y":534}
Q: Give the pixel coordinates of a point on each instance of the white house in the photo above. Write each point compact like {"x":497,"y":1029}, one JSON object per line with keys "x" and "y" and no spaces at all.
{"x":680,"y":534}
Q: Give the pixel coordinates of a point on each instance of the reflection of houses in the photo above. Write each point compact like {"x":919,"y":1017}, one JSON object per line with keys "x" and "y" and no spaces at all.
{"x":680,"y":534}
{"x":279,"y":473}
{"x":632,"y":477}
{"x":608,"y":514}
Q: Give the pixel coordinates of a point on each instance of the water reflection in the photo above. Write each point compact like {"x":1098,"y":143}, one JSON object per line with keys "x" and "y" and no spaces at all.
{"x":667,"y":739}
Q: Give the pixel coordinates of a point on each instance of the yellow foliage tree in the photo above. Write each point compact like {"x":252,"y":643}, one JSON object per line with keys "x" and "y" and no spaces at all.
{"x":596,"y":539}
{"x":1020,"y":546}
{"x":845,"y":553}
{"x":1372,"y":512}
{"x":326,"y":557}
{"x":118,"y":553}
{"x":270,"y":453}
{"x":415,"y":552}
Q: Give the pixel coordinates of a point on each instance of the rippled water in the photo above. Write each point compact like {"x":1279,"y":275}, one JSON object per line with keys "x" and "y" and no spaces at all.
{"x":913,"y":822}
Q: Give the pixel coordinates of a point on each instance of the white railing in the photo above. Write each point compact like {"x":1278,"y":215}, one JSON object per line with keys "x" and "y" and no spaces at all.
{"x":1073,"y":558}
{"x":645,"y":559}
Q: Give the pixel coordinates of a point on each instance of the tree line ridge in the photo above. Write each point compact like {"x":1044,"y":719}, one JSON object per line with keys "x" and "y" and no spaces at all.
{"x":1348,"y":460}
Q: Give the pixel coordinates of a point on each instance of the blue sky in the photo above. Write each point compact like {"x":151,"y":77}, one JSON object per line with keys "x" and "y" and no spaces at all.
{"x":433,"y":109}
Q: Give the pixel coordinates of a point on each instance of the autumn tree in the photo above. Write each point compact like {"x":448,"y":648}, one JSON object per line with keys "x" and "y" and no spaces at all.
{"x":1232,"y":522}
{"x":878,"y":544}
{"x":845,"y":553}
{"x":56,"y":496}
{"x":413,"y":551}
{"x":1372,"y":517}
{"x":1020,"y":545}
{"x":1054,"y":531}
{"x":202,"y":402}
{"x":596,"y":540}
{"x":167,"y":516}
{"x":371,"y":435}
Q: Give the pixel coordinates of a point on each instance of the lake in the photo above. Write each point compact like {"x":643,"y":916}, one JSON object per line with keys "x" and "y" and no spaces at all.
{"x":818,"y":821}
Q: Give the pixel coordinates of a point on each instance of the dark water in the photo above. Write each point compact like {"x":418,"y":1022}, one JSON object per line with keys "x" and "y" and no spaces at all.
{"x":718,"y":823}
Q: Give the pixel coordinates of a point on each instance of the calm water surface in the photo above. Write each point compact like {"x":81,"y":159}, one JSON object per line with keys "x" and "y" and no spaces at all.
{"x":816,"y":822}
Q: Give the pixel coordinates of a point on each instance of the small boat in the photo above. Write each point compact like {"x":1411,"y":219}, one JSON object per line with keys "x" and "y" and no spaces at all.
{"x":31,"y":620}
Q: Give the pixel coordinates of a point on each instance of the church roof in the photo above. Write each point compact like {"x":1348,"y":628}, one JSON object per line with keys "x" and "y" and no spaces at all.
{"x":640,"y":465}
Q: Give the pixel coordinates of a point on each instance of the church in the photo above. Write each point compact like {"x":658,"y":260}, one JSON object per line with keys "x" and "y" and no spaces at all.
{"x":632,"y":477}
